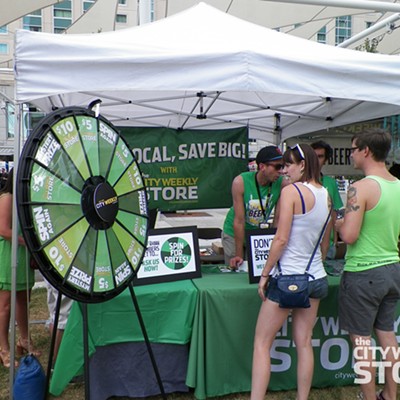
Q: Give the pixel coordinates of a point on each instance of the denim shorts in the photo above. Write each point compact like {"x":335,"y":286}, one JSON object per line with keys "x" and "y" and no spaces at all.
{"x":317,"y":289}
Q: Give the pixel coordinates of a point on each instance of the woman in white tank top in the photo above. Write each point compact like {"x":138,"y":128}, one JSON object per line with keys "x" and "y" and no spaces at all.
{"x":303,"y":209}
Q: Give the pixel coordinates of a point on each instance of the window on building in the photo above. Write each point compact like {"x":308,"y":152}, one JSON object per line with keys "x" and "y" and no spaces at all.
{"x":321,"y":35}
{"x":152,"y":11}
{"x":122,"y":2}
{"x":10,"y":119}
{"x":33,"y":21}
{"x":3,"y":48}
{"x":62,"y":16}
{"x":30,"y":117}
{"x":368,"y":24}
{"x":343,"y":29}
{"x":87,"y":4}
{"x":121,"y":18}
{"x":3,"y":30}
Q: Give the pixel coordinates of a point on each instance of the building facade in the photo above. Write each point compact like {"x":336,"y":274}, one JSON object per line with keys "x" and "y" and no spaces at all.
{"x":303,"y":21}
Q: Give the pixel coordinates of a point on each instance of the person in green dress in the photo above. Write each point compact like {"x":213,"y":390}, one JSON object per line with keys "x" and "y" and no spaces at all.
{"x":24,"y":280}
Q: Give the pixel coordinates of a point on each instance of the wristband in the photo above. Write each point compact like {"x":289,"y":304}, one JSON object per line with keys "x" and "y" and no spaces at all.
{"x":265,"y":276}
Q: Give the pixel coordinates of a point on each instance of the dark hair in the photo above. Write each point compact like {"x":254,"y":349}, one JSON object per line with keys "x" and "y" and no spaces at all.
{"x":377,"y":140}
{"x":321,"y":144}
{"x":311,"y":169}
{"x":395,"y":170}
{"x":8,"y":186}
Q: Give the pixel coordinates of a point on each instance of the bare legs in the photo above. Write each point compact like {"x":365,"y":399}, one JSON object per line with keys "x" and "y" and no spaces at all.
{"x":5,"y":298}
{"x":303,"y":324}
{"x":386,"y":340}
{"x":21,"y":314}
{"x":270,"y":320}
{"x":59,"y":335}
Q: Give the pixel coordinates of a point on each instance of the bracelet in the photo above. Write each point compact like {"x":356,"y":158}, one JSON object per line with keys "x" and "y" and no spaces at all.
{"x":265,"y":276}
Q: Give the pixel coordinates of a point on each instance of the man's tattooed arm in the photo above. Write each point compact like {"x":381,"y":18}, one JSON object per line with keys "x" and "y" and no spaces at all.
{"x":352,"y":200}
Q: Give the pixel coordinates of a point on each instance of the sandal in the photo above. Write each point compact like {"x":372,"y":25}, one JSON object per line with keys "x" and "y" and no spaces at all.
{"x":379,"y":395}
{"x":5,"y":359}
{"x":24,"y":348}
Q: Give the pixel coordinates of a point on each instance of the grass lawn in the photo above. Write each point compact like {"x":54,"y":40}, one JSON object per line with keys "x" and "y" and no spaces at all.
{"x":41,"y":339}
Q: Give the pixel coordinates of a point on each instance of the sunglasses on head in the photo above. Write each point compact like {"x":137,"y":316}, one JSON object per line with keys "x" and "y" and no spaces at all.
{"x":299,"y":149}
{"x":277,"y":167}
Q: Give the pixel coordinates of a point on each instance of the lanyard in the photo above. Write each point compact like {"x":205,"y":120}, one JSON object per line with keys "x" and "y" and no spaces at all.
{"x":260,"y":199}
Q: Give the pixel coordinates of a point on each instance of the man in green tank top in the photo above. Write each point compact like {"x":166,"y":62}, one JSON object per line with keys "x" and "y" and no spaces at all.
{"x":254,"y":194}
{"x":370,"y":285}
{"x":324,"y":151}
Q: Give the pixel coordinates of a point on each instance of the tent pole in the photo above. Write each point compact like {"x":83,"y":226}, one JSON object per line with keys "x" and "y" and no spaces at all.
{"x":358,"y":4}
{"x":5,"y":97}
{"x":14,"y":243}
{"x":371,"y":29}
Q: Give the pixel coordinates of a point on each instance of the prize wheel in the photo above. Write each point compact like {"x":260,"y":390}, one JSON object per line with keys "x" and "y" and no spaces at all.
{"x":82,"y":205}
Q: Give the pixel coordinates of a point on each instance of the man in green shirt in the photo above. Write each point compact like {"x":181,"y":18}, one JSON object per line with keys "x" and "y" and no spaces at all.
{"x":254,"y":194}
{"x":370,"y":285}
{"x":324,"y":151}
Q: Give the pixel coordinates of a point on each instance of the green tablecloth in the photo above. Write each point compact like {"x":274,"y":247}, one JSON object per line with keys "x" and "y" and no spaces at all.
{"x":217,"y":314}
{"x":222,"y":339}
{"x":167,"y":310}
{"x":221,"y":347}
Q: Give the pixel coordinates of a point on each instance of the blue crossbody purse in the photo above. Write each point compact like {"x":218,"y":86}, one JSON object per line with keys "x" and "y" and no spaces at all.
{"x":293,"y":289}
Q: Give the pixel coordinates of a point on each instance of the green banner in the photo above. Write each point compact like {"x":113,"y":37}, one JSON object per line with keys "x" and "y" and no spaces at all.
{"x":188,"y":169}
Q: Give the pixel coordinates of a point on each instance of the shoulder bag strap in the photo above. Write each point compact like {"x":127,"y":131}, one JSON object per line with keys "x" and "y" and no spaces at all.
{"x":318,"y":241}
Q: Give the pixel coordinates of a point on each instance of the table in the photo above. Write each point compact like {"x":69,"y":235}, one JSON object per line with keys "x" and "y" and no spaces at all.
{"x":220,"y":327}
{"x":220,"y":356}
{"x":168,"y":312}
{"x":210,"y":256}
{"x":222,"y":337}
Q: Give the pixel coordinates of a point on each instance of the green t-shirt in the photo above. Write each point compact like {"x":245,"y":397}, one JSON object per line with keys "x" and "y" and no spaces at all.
{"x":253,"y":211}
{"x":377,"y":242}
{"x":331,"y":186}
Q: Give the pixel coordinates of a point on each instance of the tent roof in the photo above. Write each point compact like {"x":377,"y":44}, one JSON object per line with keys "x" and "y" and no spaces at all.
{"x":204,"y":69}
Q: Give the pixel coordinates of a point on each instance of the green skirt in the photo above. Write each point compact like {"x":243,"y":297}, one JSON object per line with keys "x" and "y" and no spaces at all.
{"x":25,"y":275}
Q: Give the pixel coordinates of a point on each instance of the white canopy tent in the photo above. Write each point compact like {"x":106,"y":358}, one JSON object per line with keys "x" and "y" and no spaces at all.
{"x":204,"y":69}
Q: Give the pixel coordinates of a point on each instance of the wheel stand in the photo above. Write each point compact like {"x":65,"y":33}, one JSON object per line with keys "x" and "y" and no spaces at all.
{"x":83,"y":307}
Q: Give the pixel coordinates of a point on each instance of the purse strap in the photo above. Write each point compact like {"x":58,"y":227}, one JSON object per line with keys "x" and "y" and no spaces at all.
{"x":319,"y":239}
